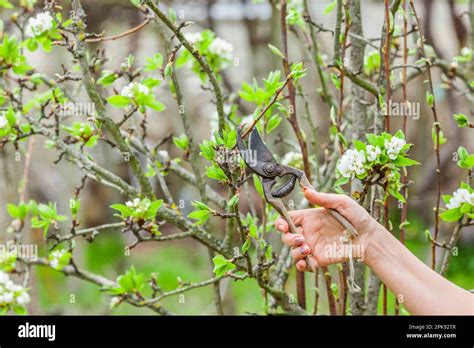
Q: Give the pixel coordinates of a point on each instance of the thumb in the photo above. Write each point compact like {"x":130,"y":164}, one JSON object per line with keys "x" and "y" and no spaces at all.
{"x":326,"y":200}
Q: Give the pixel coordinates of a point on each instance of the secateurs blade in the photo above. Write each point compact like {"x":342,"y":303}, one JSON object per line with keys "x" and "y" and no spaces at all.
{"x":268,"y":169}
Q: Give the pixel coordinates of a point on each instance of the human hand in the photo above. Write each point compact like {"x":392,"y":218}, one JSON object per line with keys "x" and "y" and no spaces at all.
{"x":320,"y":233}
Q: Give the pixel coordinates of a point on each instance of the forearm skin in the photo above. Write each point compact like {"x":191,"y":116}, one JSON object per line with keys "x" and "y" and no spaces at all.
{"x":421,"y":290}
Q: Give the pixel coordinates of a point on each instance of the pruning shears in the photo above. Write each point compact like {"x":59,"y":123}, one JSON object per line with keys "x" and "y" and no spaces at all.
{"x":261,"y":161}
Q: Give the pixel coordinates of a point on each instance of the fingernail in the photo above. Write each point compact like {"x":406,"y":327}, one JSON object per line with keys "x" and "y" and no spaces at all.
{"x":299,"y":240}
{"x":304,"y":249}
{"x":280,"y":226}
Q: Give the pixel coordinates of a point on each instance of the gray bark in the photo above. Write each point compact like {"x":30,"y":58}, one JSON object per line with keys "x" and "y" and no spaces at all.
{"x":359,"y":120}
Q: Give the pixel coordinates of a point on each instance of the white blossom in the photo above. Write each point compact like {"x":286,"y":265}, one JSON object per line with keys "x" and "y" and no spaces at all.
{"x":4,"y":278}
{"x":459,"y":197}
{"x":351,"y":163}
{"x":164,"y":155}
{"x":3,"y":122}
{"x":221,"y":48}
{"x":11,"y":293}
{"x":394,"y":146}
{"x":193,"y":38}
{"x":8,"y":297}
{"x":40,"y":24}
{"x":138,"y":205}
{"x":10,"y":286}
{"x":465,"y":51}
{"x":295,"y":8}
{"x":470,"y":199}
{"x":372,"y":152}
{"x":134,"y":88}
{"x":291,"y":158}
{"x":54,"y":263}
{"x":23,"y":298}
{"x":55,"y":258}
{"x":114,"y":302}
{"x":296,"y":5}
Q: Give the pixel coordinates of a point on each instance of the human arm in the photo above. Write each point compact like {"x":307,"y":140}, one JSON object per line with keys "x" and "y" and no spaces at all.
{"x":422,"y":290}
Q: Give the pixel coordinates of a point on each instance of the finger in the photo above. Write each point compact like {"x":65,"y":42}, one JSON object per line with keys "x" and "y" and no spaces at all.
{"x":301,"y":265}
{"x":293,"y":240}
{"x":327,"y":200}
{"x":281,"y":225}
{"x":295,"y":215}
{"x":300,"y":252}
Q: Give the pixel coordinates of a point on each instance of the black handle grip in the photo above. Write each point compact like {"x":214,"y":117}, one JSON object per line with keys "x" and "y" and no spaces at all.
{"x":286,"y":188}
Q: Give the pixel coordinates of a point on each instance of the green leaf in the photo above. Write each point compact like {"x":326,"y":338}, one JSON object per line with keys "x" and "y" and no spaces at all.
{"x":119,"y":101}
{"x":207,"y":150}
{"x":399,"y":134}
{"x":359,"y":145}
{"x":246,"y":246}
{"x":199,"y":214}
{"x":429,"y":99}
{"x":442,"y":138}
{"x":154,"y":63}
{"x":151,"y":82}
{"x":92,"y":141}
{"x":297,"y":71}
{"x":469,"y":161}
{"x":329,"y":7}
{"x":402,"y":161}
{"x":181,"y":142}
{"x":258,"y":185}
{"x":123,"y":209}
{"x":222,"y":265}
{"x":404,"y":224}
{"x":461,"y":120}
{"x":10,"y":115}
{"x":462,"y":152}
{"x":230,"y":138}
{"x":372,"y":139}
{"x":126,"y":283}
{"x":153,"y":209}
{"x":465,"y":208}
{"x":428,"y":235}
{"x":31,"y":44}
{"x":269,"y":252}
{"x":342,"y":139}
{"x":232,"y":202}
{"x":466,"y":160}
{"x":451,"y":215}
{"x":74,"y":206}
{"x":273,"y":123}
{"x":446,"y":198}
{"x":336,"y":81}
{"x":108,"y":77}
{"x":396,"y":194}
{"x":13,"y":211}
{"x":253,"y":231}
{"x":276,"y":51}
{"x":154,"y":104}
{"x":216,"y":173}
{"x":17,"y":309}
{"x":6,"y":4}
{"x":341,"y":181}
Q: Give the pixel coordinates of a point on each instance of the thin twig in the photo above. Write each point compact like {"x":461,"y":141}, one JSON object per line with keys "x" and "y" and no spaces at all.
{"x":126,"y":33}
{"x":199,"y":58}
{"x":437,"y":142}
